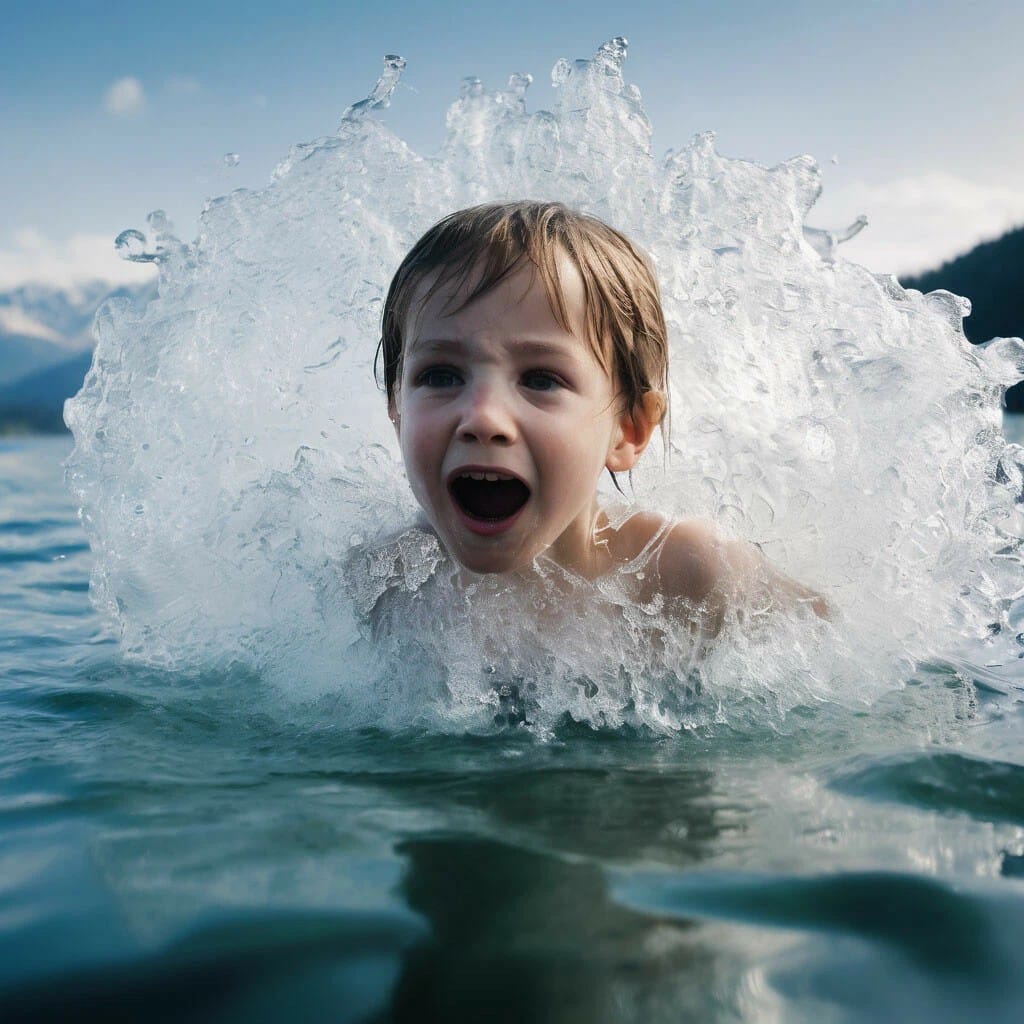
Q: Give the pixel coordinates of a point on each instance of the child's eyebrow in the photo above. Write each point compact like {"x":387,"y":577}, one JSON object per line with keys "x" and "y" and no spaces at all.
{"x":529,"y":346}
{"x":436,"y":344}
{"x":538,"y":347}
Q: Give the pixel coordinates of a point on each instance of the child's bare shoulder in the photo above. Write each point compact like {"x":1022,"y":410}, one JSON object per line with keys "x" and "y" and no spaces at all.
{"x":696,"y":564}
{"x":688,"y":556}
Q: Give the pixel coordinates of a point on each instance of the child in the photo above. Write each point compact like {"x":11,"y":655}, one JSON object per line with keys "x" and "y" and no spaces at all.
{"x":525,"y":352}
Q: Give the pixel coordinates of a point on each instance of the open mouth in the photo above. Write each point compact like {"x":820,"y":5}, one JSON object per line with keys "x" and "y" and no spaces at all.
{"x":488,"y":496}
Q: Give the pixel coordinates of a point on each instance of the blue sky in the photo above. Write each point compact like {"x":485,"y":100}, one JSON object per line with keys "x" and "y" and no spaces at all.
{"x":109,"y":110}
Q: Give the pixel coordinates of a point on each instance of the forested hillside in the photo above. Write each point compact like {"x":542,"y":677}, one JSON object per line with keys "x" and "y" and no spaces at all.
{"x":991,"y":275}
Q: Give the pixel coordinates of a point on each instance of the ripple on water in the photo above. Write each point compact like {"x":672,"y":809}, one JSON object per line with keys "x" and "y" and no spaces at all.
{"x":946,"y":781}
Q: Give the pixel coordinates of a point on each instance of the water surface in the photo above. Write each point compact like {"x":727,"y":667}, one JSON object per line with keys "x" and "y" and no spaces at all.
{"x":194,"y":848}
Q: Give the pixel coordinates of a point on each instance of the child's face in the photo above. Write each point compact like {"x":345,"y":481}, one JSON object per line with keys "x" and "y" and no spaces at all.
{"x":506,"y":422}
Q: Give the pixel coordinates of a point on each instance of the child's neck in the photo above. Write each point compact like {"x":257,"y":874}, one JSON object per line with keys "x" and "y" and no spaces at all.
{"x":585,"y":549}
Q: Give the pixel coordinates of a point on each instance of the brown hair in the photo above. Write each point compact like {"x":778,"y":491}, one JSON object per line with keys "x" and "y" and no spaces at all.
{"x":625,"y":322}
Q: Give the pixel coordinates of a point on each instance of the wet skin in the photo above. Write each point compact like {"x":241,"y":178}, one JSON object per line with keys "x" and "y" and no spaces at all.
{"x":501,"y":388}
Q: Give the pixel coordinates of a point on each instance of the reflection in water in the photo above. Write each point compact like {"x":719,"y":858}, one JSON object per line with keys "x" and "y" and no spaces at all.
{"x":666,"y":815}
{"x":526,"y":936}
{"x":527,"y":930}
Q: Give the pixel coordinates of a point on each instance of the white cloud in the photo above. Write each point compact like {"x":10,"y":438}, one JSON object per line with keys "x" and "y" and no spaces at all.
{"x":17,"y":321}
{"x":125,"y":96}
{"x":72,"y":261}
{"x":919,"y":221}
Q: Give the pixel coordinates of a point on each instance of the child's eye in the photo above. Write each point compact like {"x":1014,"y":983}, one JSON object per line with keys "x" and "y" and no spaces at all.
{"x":439,"y":377}
{"x":541,"y":380}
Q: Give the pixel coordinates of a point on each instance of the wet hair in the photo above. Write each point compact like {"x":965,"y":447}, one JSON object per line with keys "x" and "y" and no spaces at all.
{"x":482,"y":245}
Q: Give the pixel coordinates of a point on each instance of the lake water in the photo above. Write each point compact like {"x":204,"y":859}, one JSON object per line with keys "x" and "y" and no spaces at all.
{"x":188,"y":849}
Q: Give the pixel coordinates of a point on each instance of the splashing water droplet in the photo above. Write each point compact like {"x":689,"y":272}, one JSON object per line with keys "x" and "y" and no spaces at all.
{"x":519,"y":83}
{"x":824,"y":242}
{"x":380,"y":95}
{"x":158,"y":222}
{"x":561,"y":71}
{"x":232,"y":159}
{"x":613,"y":52}
{"x":131,"y":245}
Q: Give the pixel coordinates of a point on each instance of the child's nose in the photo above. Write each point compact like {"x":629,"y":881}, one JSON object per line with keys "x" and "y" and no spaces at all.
{"x":487,"y":418}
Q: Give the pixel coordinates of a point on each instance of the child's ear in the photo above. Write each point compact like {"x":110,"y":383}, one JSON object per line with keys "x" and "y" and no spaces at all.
{"x":393,"y":412}
{"x":634,"y":432}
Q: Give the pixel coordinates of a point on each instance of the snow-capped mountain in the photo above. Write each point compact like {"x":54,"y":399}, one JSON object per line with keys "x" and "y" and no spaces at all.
{"x":45,"y":342}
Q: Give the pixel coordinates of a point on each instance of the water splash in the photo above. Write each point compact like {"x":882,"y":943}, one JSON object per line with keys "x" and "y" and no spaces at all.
{"x":130,"y":245}
{"x":822,"y":411}
{"x":825,"y":242}
{"x":157,"y":246}
{"x":380,"y":96}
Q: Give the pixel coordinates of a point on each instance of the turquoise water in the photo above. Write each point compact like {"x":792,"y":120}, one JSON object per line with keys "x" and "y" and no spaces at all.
{"x":192,"y":848}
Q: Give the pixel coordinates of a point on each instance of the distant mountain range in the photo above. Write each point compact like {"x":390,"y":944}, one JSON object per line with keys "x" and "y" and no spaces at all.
{"x":41,"y":326}
{"x":46,"y":348}
{"x":46,"y":333}
{"x":35,"y":403}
